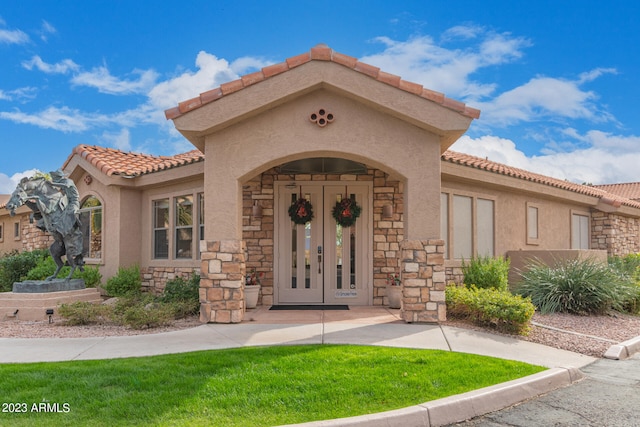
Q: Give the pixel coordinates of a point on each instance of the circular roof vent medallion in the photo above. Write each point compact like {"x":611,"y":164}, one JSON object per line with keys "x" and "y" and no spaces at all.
{"x":321,"y":118}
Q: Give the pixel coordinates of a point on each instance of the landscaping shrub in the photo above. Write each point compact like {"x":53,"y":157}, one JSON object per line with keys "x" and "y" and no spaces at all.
{"x":487,"y":272}
{"x":126,"y":282}
{"x":147,"y":316}
{"x":490,"y":307}
{"x":181,"y":289}
{"x":629,"y":266}
{"x":575,"y":286}
{"x":46,"y":267}
{"x":15,"y":266}
{"x":84,"y":313}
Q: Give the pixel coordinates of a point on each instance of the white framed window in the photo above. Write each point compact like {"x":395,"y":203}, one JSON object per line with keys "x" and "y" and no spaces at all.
{"x":183,"y":221}
{"x":91,"y":225}
{"x":161,"y":229}
{"x":177,"y":226}
{"x":533,"y":225}
{"x":467,"y":225}
{"x":580,"y":236}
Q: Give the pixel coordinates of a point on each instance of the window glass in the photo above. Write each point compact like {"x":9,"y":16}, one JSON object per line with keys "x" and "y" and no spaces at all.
{"x":485,"y":226}
{"x":184,"y":226}
{"x":462,"y":227}
{"x":91,"y":226}
{"x":160,"y":229}
{"x":579,"y":231}
{"x":532,"y":222}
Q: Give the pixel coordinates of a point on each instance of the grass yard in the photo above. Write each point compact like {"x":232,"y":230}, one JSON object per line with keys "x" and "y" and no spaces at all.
{"x":259,"y":386}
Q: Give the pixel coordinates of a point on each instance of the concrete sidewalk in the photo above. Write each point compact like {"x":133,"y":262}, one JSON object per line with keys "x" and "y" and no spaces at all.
{"x":364,"y":326}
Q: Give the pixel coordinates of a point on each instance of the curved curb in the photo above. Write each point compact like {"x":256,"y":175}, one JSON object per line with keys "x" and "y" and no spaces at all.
{"x":461,"y":407}
{"x":624,"y":350}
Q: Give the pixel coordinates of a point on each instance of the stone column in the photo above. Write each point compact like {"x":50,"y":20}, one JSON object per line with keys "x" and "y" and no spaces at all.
{"x":423,"y":281}
{"x":222,"y":281}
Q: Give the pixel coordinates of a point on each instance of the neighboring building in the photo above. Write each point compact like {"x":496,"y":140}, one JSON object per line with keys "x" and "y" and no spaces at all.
{"x":324,"y":126}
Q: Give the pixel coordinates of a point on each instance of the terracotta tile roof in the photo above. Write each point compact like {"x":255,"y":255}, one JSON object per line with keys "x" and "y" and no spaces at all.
{"x":630,"y":190}
{"x":609,"y":197}
{"x":115,"y":162}
{"x":319,"y":53}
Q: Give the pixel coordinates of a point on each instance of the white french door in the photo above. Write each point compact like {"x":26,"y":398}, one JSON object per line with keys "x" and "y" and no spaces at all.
{"x":321,"y":262}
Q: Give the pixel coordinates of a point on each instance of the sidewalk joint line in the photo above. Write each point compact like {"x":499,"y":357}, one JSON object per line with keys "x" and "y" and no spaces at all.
{"x":89,"y":348}
{"x":445,"y":337}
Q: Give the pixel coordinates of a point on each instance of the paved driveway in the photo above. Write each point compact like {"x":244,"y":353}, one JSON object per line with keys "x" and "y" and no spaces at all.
{"x":609,"y":396}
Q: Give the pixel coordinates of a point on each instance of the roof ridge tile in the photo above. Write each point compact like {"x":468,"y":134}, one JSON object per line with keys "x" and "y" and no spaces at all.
{"x":320,"y":52}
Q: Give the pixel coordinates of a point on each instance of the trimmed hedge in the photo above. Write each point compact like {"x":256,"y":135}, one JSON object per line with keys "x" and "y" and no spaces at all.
{"x":490,"y":307}
{"x":487,"y":272}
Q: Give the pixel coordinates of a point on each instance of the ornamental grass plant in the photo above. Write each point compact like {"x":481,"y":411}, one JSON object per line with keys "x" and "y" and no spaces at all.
{"x":575,"y":286}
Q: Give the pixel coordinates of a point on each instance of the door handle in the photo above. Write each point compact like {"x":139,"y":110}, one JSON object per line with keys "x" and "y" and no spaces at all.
{"x":319,"y":259}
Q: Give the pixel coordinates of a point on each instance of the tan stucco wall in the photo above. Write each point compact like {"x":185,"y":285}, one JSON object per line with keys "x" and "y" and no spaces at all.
{"x":554,"y":216}
{"x":358,"y":133}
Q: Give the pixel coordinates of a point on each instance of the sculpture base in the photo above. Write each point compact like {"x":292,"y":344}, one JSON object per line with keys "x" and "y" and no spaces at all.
{"x":34,"y":306}
{"x":43,"y":286}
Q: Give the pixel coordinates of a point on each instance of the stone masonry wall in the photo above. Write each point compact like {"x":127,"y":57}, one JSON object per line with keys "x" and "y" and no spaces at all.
{"x":618,"y":235}
{"x":154,"y":279}
{"x":258,"y":233}
{"x":424,"y":281}
{"x":33,"y":238}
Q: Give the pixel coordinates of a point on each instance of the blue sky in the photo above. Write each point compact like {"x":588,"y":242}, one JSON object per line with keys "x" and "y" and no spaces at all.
{"x":557,"y":81}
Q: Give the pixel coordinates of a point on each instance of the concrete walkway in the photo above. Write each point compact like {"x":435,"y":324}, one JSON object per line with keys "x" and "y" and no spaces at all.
{"x":365,"y":326}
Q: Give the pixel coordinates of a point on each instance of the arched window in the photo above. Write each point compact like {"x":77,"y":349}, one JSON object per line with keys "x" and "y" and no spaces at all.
{"x":91,"y":220}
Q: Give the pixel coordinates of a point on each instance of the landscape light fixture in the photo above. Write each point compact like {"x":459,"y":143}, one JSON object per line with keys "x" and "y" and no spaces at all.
{"x":50,"y":313}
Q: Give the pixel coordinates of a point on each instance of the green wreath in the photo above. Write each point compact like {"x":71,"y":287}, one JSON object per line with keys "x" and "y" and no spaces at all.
{"x":346,"y":211}
{"x":301,"y":211}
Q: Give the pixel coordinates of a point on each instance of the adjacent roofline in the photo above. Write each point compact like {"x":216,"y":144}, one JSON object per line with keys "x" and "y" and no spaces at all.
{"x":320,"y":52}
{"x":605,"y":197}
{"x":111,"y":161}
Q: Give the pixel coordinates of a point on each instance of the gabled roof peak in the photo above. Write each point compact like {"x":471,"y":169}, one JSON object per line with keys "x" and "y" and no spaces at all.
{"x":320,"y":52}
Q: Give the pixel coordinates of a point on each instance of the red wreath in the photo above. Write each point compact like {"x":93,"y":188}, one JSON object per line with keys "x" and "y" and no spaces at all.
{"x":301,"y":211}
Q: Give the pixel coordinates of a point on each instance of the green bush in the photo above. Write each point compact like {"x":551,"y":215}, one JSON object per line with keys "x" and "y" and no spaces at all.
{"x":147,"y":316}
{"x":126,"y":282}
{"x":181,"y":289}
{"x":84,"y":313}
{"x":629,"y":266}
{"x":575,"y":286}
{"x":490,"y":307}
{"x":15,"y":266}
{"x":46,"y":267}
{"x":487,"y":272}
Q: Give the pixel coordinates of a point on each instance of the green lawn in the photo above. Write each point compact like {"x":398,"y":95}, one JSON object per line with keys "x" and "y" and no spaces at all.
{"x":259,"y":386}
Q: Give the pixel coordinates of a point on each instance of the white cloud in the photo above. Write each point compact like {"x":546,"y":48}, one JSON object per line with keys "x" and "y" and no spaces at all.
{"x":120,"y":140}
{"x":46,"y":30}
{"x":62,"y":67}
{"x":13,"y":37}
{"x":211,"y":72}
{"x":101,"y":79}
{"x":9,"y":183}
{"x":63,"y":119}
{"x":598,"y":163}
{"x":540,"y":97}
{"x":449,"y":70}
{"x":22,"y":93}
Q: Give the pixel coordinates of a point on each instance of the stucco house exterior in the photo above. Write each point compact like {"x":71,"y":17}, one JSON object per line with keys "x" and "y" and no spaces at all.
{"x":324,"y":127}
